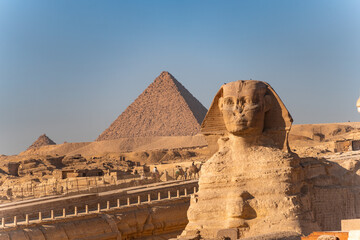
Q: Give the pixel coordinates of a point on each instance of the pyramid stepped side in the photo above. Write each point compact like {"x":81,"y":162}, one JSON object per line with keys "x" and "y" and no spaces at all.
{"x":43,"y":140}
{"x":165,"y":108}
{"x":195,"y":106}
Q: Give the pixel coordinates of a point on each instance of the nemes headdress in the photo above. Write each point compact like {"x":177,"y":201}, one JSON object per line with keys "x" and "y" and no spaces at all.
{"x":277,"y":122}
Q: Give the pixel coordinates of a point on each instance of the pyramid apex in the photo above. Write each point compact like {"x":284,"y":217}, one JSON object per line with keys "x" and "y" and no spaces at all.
{"x":165,"y":75}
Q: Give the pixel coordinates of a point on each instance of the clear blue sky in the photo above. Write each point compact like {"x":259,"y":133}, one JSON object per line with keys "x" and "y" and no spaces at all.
{"x":69,"y":68}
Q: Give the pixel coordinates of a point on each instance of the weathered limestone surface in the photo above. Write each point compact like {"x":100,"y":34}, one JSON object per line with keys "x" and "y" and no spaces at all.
{"x":156,"y":220}
{"x":329,"y":193}
{"x":250,"y":184}
{"x":13,"y":168}
{"x":58,"y":203}
{"x":253,"y":185}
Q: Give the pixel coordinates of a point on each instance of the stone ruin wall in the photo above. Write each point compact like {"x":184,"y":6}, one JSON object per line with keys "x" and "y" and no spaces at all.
{"x":57,"y":204}
{"x":332,"y":204}
{"x":160,"y":220}
{"x":330,"y":193}
{"x":154,"y":212}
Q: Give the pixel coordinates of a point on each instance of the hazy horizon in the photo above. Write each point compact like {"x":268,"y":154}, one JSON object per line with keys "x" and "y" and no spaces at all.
{"x":69,"y":68}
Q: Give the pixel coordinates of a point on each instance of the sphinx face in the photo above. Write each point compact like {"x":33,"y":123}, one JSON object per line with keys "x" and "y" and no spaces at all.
{"x":243,"y":107}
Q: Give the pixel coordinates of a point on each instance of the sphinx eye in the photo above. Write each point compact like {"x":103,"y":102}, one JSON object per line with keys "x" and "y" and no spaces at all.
{"x":248,"y":100}
{"x":229,"y":101}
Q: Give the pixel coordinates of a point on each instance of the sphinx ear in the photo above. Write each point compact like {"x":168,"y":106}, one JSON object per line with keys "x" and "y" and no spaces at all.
{"x":221,"y":103}
{"x":267,"y":103}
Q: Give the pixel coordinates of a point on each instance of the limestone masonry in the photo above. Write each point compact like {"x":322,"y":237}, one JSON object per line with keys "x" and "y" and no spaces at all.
{"x":165,"y":108}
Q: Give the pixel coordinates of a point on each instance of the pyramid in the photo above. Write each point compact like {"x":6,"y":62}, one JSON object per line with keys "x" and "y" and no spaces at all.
{"x":43,"y":140}
{"x":165,"y":108}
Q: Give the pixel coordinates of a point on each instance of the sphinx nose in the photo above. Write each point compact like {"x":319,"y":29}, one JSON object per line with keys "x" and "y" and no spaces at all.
{"x":239,"y":109}
{"x":238,"y":112}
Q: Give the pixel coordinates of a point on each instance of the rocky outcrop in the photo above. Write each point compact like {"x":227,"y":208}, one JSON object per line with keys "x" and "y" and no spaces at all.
{"x":329,"y":193}
{"x":13,"y":168}
{"x":34,"y":167}
{"x":74,"y":159}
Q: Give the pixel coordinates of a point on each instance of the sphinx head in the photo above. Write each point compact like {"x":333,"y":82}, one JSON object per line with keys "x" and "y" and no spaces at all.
{"x":243,"y":105}
{"x":246,"y":109}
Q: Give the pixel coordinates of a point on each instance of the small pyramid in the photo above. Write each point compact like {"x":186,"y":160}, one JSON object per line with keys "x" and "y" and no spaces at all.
{"x":165,"y":108}
{"x":43,"y":140}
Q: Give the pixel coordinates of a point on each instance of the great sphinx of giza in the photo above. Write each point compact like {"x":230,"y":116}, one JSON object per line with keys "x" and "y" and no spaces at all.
{"x":247,"y":186}
{"x":254,"y":185}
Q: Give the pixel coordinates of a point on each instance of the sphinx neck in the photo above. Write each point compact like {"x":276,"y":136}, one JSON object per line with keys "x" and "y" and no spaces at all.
{"x":243,"y":144}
